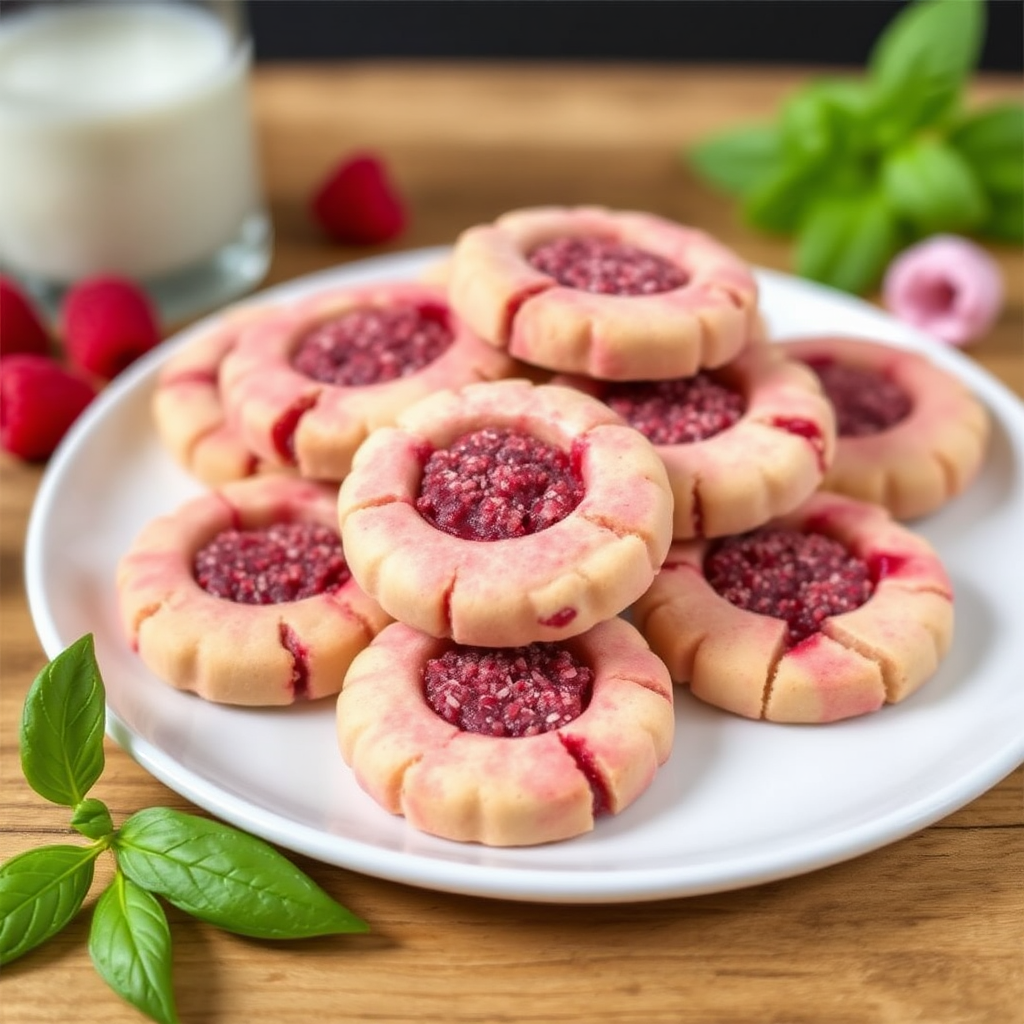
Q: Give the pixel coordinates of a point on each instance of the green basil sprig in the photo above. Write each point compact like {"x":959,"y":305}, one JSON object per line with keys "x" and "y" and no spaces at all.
{"x":858,"y":168}
{"x":215,"y":873}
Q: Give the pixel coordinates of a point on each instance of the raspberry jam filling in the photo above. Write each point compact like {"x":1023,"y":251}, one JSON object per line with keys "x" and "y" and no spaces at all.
{"x":493,"y":484}
{"x":282,"y":562}
{"x":865,"y":401}
{"x":512,"y":691}
{"x":802,"y":578}
{"x":372,"y":346}
{"x":605,"y":266}
{"x":678,"y":411}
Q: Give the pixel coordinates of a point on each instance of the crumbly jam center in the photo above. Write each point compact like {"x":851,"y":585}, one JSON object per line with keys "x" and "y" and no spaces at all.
{"x":678,"y":411}
{"x":513,"y":691}
{"x":865,"y":401}
{"x":372,"y":346}
{"x":802,"y":578}
{"x":494,"y":484}
{"x":282,"y":562}
{"x":606,"y":266}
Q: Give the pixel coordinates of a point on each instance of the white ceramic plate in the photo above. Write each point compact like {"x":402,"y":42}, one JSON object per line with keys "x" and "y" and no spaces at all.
{"x":738,"y":803}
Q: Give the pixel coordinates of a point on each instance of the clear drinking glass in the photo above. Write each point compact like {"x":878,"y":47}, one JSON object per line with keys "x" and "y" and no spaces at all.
{"x":127,"y":147}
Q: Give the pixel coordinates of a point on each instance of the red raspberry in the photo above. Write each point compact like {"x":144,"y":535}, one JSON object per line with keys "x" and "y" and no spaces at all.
{"x":357,"y":203}
{"x":107,"y":323}
{"x":21,"y":329}
{"x":39,"y":400}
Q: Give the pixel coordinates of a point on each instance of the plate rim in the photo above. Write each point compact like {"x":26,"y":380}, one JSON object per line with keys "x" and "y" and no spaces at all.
{"x":475,"y":879}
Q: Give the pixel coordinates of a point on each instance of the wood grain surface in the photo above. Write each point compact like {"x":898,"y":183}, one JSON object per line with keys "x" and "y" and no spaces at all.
{"x":928,"y":929}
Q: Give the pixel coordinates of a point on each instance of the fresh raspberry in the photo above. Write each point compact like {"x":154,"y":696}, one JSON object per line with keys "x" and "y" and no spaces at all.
{"x":357,"y":203}
{"x":39,"y":400}
{"x":21,"y":329}
{"x":107,"y":323}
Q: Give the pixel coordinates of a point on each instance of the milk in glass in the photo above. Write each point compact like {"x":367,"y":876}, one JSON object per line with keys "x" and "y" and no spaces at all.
{"x":126,"y":146}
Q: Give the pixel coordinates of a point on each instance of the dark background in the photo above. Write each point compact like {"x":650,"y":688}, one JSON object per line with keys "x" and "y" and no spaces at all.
{"x":832,"y":32}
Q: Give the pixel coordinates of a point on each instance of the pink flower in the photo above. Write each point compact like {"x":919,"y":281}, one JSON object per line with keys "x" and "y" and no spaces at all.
{"x":946,"y":286}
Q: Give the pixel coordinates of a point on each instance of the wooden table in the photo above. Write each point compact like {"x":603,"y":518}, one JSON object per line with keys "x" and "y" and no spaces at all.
{"x":929,"y":929}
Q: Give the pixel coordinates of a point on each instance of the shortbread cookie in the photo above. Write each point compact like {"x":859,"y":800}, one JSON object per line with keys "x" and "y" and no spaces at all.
{"x":506,"y":513}
{"x":741,"y":444}
{"x":188,"y":411}
{"x":508,"y":746}
{"x":304,"y":388}
{"x":910,"y":435}
{"x":611,"y":295}
{"x":827,"y":613}
{"x":243,"y":595}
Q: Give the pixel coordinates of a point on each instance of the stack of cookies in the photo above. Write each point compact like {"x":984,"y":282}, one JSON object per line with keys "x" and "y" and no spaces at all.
{"x":579,"y":417}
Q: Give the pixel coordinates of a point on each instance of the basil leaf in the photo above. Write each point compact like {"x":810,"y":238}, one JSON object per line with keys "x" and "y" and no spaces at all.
{"x":1006,"y":223}
{"x":226,"y":877}
{"x":92,"y":819}
{"x":738,"y":160}
{"x":41,"y":890}
{"x":807,"y":122}
{"x":62,"y":726}
{"x":846,"y":242}
{"x":130,"y":946}
{"x":992,"y":142}
{"x":825,"y":121}
{"x":843,"y":115}
{"x":921,"y":62}
{"x":932,"y":186}
{"x":779,"y":202}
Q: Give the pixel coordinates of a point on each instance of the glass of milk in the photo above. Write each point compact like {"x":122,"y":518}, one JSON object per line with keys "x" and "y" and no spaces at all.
{"x":126,"y":147}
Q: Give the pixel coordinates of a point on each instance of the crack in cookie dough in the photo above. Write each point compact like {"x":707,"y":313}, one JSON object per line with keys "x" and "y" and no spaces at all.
{"x":807,"y":429}
{"x":949,"y":471}
{"x":293,"y":644}
{"x":446,"y":602}
{"x":885,"y":666}
{"x":615,"y":527}
{"x":697,"y":506}
{"x":141,"y":615}
{"x":769,"y":682}
{"x":286,"y":426}
{"x":588,"y":767}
